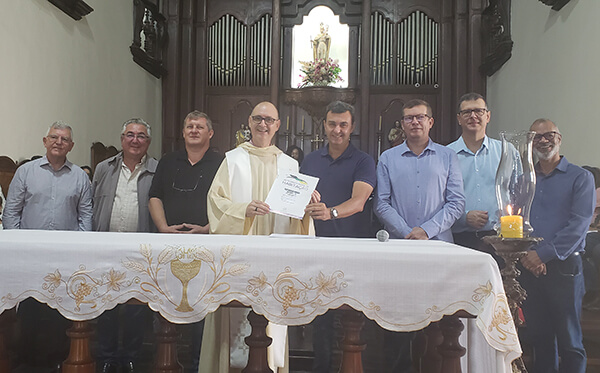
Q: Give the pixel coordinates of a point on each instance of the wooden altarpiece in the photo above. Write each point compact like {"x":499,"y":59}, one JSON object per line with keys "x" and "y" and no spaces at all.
{"x":224,"y":56}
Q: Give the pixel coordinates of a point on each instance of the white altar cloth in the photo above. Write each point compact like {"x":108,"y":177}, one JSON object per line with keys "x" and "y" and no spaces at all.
{"x":403,"y":285}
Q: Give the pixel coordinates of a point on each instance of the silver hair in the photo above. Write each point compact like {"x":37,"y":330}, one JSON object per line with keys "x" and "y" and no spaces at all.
{"x":60,"y":125}
{"x":196,"y":114}
{"x":137,"y":121}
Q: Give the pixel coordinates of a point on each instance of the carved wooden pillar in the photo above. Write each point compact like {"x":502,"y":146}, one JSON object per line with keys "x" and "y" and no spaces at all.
{"x":80,"y":359}
{"x":365,"y":76}
{"x":431,"y":362}
{"x":352,"y":345}
{"x":276,"y":53}
{"x":450,"y":349}
{"x":258,"y":341}
{"x":7,"y":320}
{"x":166,"y":348}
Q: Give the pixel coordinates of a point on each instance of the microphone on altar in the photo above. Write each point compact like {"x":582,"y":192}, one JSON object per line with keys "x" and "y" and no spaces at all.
{"x":383,"y":235}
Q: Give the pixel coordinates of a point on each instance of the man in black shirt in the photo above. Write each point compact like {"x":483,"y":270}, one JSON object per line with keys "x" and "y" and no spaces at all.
{"x":178,"y":192}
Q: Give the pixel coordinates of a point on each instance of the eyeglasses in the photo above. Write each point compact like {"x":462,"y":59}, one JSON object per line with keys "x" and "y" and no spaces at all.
{"x":256,"y":119}
{"x":181,"y":181}
{"x":140,"y":136}
{"x":54,"y":138}
{"x":467,"y":113}
{"x":419,"y":117}
{"x":549,"y":136}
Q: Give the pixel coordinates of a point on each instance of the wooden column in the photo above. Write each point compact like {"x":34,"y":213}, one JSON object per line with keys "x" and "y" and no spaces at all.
{"x":80,"y":359}
{"x":432,"y":360}
{"x":258,"y":341}
{"x":352,"y":345}
{"x":7,"y":320}
{"x":450,"y":349}
{"x":166,"y":349}
{"x":365,"y":75}
{"x":276,"y":53}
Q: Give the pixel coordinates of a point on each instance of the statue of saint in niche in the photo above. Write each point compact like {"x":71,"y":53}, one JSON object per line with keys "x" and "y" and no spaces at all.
{"x":321,"y":43}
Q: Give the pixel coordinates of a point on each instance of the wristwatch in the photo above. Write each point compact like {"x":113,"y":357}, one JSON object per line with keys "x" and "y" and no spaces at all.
{"x":334,"y":213}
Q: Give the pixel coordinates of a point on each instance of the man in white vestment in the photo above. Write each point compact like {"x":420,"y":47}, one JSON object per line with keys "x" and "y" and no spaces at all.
{"x":236,"y":206}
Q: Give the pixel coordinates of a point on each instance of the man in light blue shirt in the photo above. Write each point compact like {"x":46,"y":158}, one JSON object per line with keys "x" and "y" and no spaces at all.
{"x":479,"y":157}
{"x":50,"y":193}
{"x":419,"y":196}
{"x":419,"y":183}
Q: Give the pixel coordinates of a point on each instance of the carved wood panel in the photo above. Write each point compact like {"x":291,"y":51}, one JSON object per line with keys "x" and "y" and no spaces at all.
{"x":185,"y":88}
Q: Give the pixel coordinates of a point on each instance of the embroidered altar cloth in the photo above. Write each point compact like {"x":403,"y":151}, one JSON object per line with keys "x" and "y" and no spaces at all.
{"x":403,"y":285}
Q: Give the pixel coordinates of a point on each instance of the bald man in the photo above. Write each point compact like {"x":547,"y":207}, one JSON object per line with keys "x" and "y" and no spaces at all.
{"x":236,"y":206}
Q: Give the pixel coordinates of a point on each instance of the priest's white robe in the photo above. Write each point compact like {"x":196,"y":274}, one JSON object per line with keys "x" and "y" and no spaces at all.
{"x":246,"y":174}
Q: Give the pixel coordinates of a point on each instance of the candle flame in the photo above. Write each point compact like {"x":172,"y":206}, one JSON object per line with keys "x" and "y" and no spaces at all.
{"x":509,"y":209}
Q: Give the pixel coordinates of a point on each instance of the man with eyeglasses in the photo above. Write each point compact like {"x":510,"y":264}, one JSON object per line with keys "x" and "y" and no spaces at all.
{"x":120,"y":189}
{"x":49,"y":193}
{"x":179,"y":189}
{"x":419,"y":196}
{"x":561,"y":213}
{"x":236,"y":206}
{"x":479,"y":157}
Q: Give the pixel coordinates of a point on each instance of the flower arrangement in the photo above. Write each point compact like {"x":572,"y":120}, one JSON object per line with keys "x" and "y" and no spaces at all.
{"x":320,"y":73}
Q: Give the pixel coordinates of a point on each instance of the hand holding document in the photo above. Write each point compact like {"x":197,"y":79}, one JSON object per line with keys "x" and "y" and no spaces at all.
{"x":290,"y":194}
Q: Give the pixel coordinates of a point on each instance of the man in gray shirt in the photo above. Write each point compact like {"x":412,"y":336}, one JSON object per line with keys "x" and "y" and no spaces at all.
{"x":50,"y":193}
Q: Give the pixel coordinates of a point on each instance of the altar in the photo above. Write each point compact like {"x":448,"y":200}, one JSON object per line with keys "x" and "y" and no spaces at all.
{"x":402,"y":285}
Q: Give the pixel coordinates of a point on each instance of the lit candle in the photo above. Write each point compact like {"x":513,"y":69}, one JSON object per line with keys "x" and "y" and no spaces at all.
{"x":287,"y":125}
{"x":303,"y":123}
{"x":511,"y":226}
{"x":380,"y":123}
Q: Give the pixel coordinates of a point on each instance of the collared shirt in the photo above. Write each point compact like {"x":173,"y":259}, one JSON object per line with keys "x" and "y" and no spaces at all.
{"x":125,"y":210}
{"x":479,"y":179}
{"x":562,"y":210}
{"x":336,"y":180}
{"x":423,"y":190}
{"x":182,"y":187}
{"x":41,"y":198}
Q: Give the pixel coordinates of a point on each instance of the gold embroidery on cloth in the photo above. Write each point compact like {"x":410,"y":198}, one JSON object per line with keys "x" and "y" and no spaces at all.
{"x":501,"y":326}
{"x":294,"y":293}
{"x":185,"y":263}
{"x":84,"y":288}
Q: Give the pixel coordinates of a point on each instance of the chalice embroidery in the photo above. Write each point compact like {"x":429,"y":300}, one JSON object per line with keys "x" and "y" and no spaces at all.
{"x":185,"y":272}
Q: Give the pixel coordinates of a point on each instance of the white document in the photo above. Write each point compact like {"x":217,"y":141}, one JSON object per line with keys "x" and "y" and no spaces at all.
{"x":290,"y":194}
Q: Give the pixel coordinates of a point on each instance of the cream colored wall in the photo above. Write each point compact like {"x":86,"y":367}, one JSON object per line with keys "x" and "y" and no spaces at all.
{"x":53,"y":67}
{"x":553,"y":73}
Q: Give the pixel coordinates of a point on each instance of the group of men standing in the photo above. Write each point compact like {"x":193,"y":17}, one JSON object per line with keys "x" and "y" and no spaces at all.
{"x":422,"y":190}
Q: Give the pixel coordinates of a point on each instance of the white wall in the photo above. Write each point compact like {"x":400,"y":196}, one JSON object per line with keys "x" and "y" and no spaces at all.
{"x":53,"y":67}
{"x":553,"y":73}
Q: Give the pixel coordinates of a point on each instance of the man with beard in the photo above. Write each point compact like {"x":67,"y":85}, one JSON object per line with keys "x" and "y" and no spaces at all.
{"x":561,"y":214}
